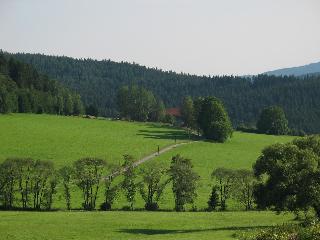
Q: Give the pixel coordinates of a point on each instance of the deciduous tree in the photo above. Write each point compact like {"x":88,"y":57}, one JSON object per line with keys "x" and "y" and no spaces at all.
{"x":243,"y":187}
{"x":224,"y":178}
{"x":88,"y":173}
{"x":214,"y":120}
{"x":290,"y":178}
{"x":66,"y":174}
{"x":152,"y":184}
{"x":184,"y":181}
{"x":128,"y":184}
{"x":272,"y":120}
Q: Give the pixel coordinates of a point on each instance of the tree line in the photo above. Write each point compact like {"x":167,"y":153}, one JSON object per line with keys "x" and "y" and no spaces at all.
{"x":23,"y":89}
{"x":98,"y":83}
{"x":32,"y":184}
{"x":285,"y":177}
{"x":208,"y":117}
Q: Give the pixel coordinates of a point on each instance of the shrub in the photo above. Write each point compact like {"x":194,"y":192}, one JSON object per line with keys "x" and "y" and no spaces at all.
{"x":126,"y":208}
{"x":213,"y":202}
{"x":285,"y":232}
{"x":151,"y":206}
{"x":105,"y":206}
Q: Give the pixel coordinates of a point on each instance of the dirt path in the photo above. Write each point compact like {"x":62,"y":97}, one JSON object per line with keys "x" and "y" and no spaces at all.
{"x":153,"y":155}
{"x":150,"y":157}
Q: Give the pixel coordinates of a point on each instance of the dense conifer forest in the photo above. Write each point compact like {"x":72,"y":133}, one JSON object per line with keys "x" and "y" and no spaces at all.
{"x":24,"y":89}
{"x":244,"y":97}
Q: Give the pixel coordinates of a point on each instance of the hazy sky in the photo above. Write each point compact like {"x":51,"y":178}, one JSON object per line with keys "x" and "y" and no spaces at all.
{"x":195,"y":36}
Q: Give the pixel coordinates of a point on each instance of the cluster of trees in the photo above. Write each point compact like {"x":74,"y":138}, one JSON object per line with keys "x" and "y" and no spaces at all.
{"x":289,"y":176}
{"x":23,"y":89}
{"x":273,"y":121}
{"x":286,"y":177}
{"x":33,"y":182}
{"x":236,"y":184}
{"x":29,"y":184}
{"x":208,"y":116}
{"x":139,"y":104}
{"x":244,"y":97}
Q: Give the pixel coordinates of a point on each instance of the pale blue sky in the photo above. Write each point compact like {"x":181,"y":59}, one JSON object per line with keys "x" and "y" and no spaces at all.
{"x":194,"y":36}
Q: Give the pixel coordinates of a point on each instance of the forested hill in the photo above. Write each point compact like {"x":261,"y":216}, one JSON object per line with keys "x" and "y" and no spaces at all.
{"x":23,"y":89}
{"x":98,"y":83}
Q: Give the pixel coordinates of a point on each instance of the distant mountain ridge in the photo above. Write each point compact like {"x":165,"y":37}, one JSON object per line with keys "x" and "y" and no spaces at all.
{"x":309,"y":69}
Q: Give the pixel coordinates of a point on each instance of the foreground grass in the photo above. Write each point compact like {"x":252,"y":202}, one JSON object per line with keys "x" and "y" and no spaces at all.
{"x":132,"y":225}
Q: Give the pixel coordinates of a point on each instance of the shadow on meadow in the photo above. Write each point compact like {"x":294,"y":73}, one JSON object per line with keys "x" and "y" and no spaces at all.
{"x":169,"y":133}
{"x":176,"y":231}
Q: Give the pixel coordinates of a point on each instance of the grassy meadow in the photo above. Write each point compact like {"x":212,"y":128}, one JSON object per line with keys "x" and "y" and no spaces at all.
{"x":66,"y":139}
{"x":132,"y":225}
{"x":239,"y":152}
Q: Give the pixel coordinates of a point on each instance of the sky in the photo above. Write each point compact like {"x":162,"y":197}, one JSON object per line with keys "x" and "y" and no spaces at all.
{"x":203,"y":37}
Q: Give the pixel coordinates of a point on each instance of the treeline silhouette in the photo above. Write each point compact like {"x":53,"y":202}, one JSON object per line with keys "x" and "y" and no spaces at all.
{"x":244,"y":97}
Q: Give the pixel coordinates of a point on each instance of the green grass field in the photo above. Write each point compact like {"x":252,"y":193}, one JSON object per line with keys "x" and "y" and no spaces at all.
{"x":239,"y":152}
{"x":132,"y":225}
{"x":66,"y":139}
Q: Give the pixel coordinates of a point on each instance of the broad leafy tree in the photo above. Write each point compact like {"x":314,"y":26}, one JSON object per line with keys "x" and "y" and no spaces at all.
{"x":188,"y":112}
{"x":184,"y":181}
{"x":32,"y":182}
{"x":111,"y":189}
{"x":24,"y":168}
{"x":272,"y":120}
{"x":88,"y":173}
{"x":152,"y":185}
{"x":290,"y":176}
{"x":129,"y":184}
{"x":224,"y":179}
{"x":66,"y":174}
{"x":214,"y":120}
{"x":43,"y":184}
{"x":243,"y":187}
{"x":9,"y":173}
{"x":158,"y":111}
{"x":139,"y":104}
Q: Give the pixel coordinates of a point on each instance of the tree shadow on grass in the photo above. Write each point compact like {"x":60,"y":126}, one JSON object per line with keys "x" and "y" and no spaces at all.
{"x":156,"y":131}
{"x":185,"y":231}
{"x":170,"y":134}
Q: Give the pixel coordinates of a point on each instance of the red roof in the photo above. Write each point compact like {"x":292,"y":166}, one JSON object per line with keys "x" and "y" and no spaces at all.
{"x":173,"y":112}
